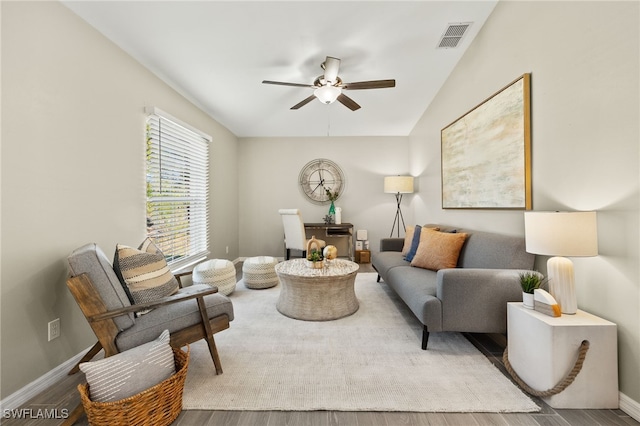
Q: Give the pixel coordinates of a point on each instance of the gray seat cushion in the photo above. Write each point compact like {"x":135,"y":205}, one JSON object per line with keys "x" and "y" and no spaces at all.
{"x":173,"y":317}
{"x":91,"y":260}
{"x":385,"y":260}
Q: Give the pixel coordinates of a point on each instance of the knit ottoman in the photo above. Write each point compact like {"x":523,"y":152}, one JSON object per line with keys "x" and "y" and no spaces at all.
{"x":259,"y":272}
{"x":216,"y":273}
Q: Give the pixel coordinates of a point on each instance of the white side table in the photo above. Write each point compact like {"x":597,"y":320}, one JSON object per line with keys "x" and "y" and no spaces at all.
{"x":543,"y":349}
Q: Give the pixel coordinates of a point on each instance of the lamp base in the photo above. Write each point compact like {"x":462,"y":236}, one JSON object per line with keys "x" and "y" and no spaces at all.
{"x":561,"y":284}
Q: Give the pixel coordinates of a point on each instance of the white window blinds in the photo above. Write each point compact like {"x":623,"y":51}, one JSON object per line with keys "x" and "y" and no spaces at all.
{"x":177,"y":189}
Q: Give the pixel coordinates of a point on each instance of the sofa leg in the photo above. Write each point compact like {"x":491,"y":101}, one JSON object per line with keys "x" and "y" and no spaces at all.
{"x":425,"y":338}
{"x":378,"y":279}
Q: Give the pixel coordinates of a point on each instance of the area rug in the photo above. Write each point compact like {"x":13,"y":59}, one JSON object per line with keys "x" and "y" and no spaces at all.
{"x":369,"y":361}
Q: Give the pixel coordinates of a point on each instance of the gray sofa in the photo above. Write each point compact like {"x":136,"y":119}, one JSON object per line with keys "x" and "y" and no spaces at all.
{"x":469,"y":298}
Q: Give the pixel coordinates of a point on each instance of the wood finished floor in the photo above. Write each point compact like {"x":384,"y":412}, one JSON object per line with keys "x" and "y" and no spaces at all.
{"x":64,"y":395}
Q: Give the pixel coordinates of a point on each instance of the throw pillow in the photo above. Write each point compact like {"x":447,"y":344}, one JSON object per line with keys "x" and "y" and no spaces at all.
{"x":438,"y":250}
{"x":130,"y":372}
{"x":408,"y":238}
{"x":414,"y":244}
{"x":143,"y":272}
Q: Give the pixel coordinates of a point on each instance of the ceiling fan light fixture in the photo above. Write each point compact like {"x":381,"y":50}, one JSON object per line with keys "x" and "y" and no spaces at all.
{"x":327,"y":94}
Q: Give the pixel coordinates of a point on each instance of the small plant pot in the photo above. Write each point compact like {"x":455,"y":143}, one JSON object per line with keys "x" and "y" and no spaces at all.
{"x":527,"y":300}
{"x":315,"y":265}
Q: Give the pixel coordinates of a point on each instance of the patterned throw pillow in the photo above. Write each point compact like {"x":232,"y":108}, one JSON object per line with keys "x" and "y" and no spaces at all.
{"x":438,"y":250}
{"x":144,"y":273}
{"x":130,"y":372}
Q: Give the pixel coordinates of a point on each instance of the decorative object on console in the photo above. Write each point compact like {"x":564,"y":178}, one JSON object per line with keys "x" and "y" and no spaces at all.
{"x":486,"y":153}
{"x":398,"y":185}
{"x":560,"y":234}
{"x":333,"y":196}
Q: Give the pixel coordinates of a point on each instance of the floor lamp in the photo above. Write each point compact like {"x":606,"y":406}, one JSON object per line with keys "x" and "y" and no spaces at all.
{"x":398,"y":185}
{"x":561,"y":234}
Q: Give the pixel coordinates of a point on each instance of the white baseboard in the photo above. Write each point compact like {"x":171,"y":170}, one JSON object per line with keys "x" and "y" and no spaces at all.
{"x":22,"y":396}
{"x":629,"y":406}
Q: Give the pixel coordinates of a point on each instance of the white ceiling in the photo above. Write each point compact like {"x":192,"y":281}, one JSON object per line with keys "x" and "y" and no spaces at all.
{"x":217,"y":53}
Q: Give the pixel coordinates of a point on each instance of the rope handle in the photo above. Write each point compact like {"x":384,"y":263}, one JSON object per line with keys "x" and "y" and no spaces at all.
{"x":562,"y":385}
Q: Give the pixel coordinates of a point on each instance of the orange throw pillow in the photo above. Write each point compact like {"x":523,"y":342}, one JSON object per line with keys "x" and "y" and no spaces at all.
{"x":438,"y":250}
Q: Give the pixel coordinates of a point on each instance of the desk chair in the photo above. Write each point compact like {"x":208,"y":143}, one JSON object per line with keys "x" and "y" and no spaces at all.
{"x":294,"y":234}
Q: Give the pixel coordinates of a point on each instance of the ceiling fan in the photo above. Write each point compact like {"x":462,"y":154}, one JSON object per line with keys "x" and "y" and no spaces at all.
{"x":329,"y":87}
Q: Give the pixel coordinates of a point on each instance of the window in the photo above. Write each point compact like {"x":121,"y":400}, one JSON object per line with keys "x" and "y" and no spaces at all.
{"x":177,"y":163}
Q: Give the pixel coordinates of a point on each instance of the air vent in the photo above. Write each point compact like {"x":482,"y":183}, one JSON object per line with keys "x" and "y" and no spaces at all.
{"x":453,"y":34}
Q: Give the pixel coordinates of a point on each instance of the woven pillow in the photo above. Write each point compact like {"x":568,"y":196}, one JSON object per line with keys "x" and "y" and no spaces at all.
{"x":438,"y":250}
{"x":130,"y":372}
{"x":144,"y":273}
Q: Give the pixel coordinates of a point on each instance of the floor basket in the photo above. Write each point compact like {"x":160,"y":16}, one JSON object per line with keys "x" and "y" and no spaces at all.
{"x":158,"y":405}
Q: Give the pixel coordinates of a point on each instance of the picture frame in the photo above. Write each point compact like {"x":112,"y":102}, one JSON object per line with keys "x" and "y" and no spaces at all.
{"x":486,"y":153}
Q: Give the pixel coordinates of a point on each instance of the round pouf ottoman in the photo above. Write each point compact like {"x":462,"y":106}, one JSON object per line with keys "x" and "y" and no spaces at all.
{"x":216,"y":273}
{"x":259,"y":272}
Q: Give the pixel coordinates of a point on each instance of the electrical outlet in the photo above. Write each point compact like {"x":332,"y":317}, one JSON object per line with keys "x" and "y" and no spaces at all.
{"x":227,"y":249}
{"x":54,"y":329}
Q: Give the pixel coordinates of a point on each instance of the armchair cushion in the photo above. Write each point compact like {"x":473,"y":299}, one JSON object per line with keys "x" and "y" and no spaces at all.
{"x":91,"y":260}
{"x":130,"y":372}
{"x":174,"y":317}
{"x":144,"y":273}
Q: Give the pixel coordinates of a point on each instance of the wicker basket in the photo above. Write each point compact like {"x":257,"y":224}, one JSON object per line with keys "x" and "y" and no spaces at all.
{"x":158,"y":405}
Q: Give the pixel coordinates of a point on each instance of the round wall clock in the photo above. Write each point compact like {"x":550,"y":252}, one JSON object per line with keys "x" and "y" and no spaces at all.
{"x":319,"y":175}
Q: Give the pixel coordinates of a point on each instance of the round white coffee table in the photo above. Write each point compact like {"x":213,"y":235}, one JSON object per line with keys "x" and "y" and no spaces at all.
{"x":317,"y":294}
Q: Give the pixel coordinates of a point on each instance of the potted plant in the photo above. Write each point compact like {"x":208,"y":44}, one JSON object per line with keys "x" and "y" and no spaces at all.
{"x":530,"y":281}
{"x":333,"y":196}
{"x":315,"y":258}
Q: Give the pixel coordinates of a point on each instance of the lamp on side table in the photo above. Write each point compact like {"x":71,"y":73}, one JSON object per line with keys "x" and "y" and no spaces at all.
{"x":561,"y":234}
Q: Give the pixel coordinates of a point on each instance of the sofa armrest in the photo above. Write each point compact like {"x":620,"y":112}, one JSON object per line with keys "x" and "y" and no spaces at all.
{"x":475,"y":300}
{"x":391,"y":244}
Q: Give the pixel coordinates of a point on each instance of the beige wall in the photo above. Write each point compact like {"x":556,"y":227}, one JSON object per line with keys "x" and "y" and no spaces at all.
{"x":73,"y":172}
{"x":584,"y":60}
{"x":269,"y":169}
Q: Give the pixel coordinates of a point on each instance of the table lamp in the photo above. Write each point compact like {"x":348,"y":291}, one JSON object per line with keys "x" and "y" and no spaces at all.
{"x":398,"y":185}
{"x":560,"y":234}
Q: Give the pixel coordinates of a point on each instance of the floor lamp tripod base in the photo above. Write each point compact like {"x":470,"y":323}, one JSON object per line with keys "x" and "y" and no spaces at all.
{"x":398,"y":217}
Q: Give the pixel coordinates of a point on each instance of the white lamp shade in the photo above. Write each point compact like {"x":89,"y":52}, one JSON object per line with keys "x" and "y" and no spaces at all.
{"x":398,"y":184}
{"x":327,"y":94}
{"x":561,"y":233}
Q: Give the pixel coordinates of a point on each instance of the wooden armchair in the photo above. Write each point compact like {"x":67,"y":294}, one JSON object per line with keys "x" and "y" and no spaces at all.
{"x":195,"y":312}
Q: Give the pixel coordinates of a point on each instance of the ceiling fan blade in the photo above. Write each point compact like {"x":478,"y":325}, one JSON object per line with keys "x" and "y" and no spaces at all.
{"x":331,"y":67}
{"x":375,"y":84}
{"x":280,"y":83}
{"x":348,"y":102}
{"x":304,"y":102}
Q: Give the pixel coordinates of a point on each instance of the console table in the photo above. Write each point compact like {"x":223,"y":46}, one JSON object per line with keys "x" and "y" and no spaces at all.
{"x":334,"y":234}
{"x":543,"y":349}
